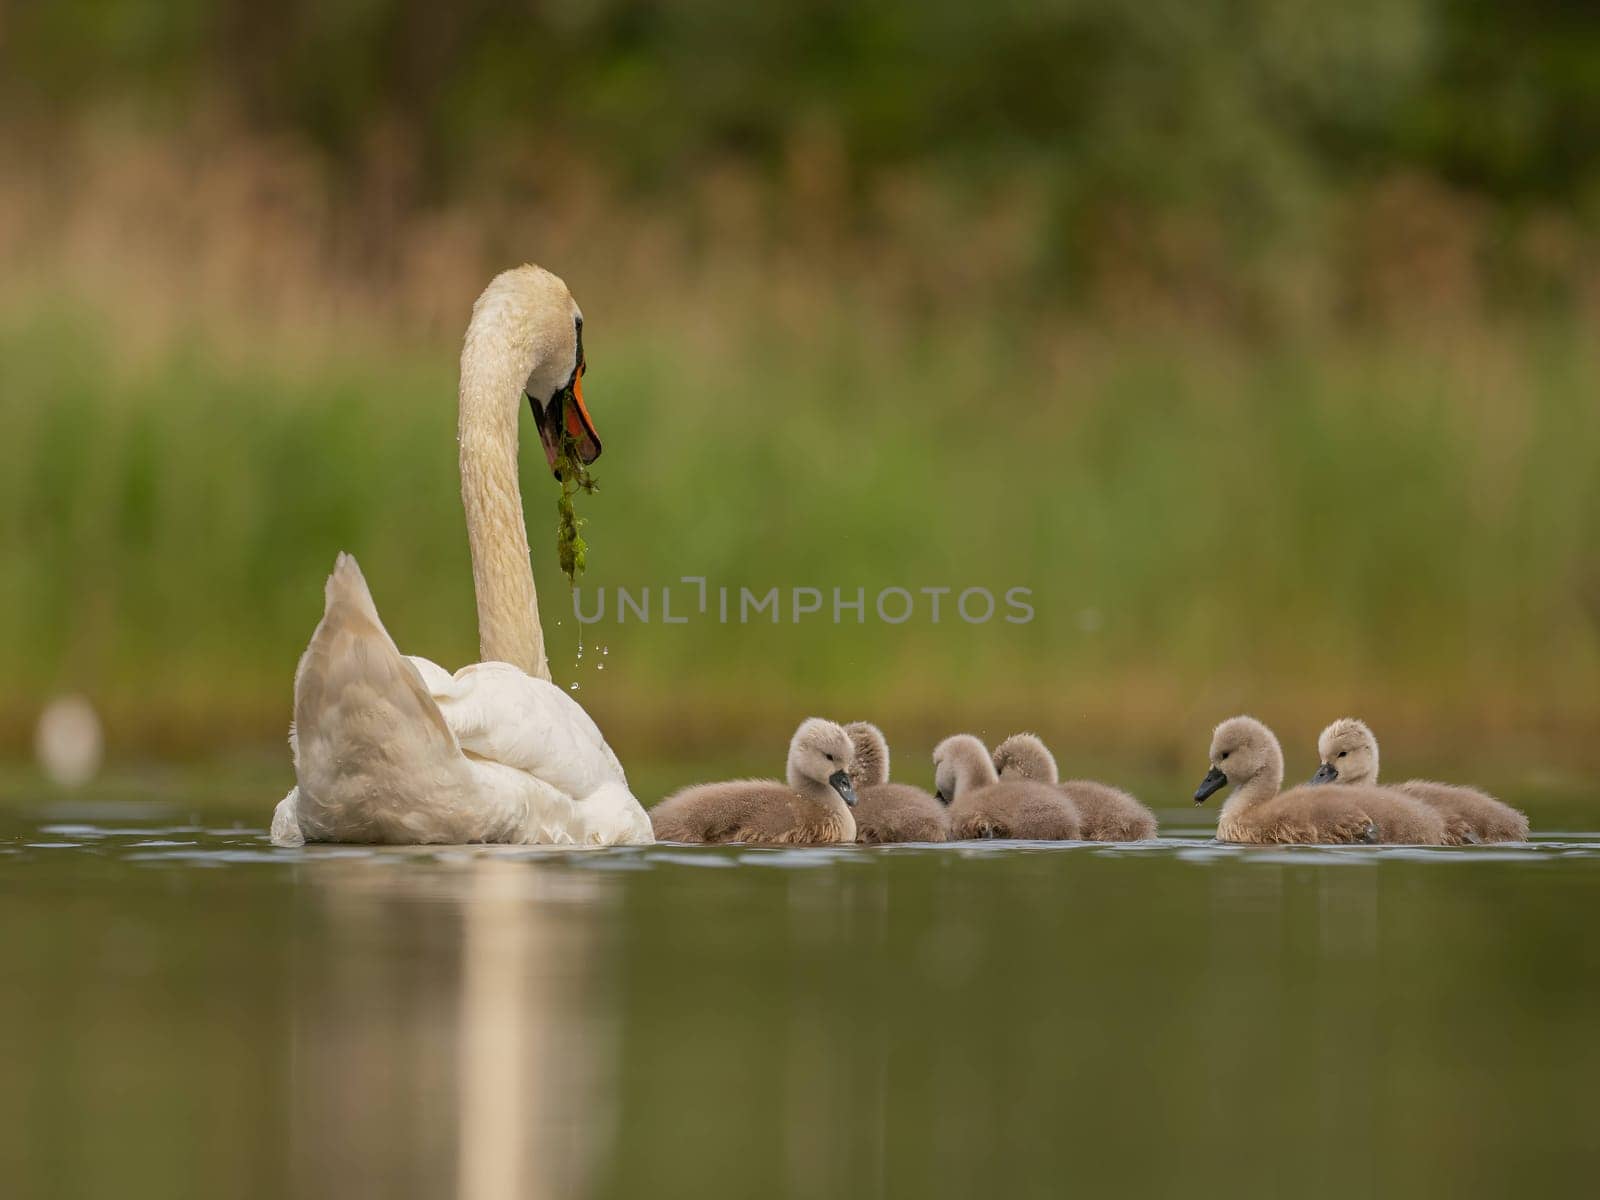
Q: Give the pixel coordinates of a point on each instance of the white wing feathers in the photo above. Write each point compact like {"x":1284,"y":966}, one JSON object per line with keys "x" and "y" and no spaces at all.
{"x":502,"y":714}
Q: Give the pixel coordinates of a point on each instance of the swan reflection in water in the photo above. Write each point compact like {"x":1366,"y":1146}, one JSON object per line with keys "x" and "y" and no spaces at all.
{"x":198,"y":1014}
{"x":447,"y":1017}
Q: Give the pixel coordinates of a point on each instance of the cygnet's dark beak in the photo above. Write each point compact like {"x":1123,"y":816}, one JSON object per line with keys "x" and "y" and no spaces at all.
{"x":1326,"y":773}
{"x":941,"y":797}
{"x":839,"y":781}
{"x":1214,"y":781}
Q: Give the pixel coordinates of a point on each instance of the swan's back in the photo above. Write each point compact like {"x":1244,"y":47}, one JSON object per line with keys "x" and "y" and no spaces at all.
{"x":1109,"y":814}
{"x":1335,"y":813}
{"x":505,"y":718}
{"x":749,"y":810}
{"x":898,"y":812}
{"x":501,"y":713}
{"x":1021,"y":809}
{"x":1470,"y":813}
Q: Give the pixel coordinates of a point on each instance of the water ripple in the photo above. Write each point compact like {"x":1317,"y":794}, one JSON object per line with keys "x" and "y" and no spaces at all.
{"x":196,"y":845}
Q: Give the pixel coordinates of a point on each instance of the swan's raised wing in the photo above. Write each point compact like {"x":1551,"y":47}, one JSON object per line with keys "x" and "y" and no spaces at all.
{"x":375,"y":760}
{"x":500,"y":713}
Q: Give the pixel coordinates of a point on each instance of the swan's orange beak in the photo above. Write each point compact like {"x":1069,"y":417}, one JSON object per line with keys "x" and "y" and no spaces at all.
{"x":567,"y":414}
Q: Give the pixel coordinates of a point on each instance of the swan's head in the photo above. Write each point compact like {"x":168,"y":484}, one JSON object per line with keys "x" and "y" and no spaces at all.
{"x":1349,"y":753}
{"x":527,"y":323}
{"x":871,"y":765}
{"x":1241,"y":749}
{"x":1025,"y":756}
{"x":821,"y":752}
{"x":960,"y":763}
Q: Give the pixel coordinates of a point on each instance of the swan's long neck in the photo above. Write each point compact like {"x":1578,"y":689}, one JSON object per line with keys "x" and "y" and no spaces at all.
{"x":1258,"y":789}
{"x":502,"y":575}
{"x":1370,"y":775}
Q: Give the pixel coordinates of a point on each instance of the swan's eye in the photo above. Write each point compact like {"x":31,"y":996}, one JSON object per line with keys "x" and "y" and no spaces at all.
{"x":829,"y":757}
{"x":1342,"y":753}
{"x":1225,"y":754}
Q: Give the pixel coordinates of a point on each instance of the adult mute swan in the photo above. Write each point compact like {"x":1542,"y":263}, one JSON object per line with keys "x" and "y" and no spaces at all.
{"x":394,"y":749}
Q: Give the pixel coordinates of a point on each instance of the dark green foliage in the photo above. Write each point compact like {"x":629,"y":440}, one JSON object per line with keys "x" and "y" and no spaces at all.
{"x":1158,"y":102}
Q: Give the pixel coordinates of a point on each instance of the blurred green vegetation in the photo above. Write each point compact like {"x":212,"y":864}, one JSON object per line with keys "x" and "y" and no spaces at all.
{"x":1255,"y":338}
{"x":1411,"y":533}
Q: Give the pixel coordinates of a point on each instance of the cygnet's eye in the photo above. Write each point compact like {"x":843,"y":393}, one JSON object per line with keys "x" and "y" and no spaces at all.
{"x":1225,"y":753}
{"x":1342,"y":753}
{"x":829,"y":757}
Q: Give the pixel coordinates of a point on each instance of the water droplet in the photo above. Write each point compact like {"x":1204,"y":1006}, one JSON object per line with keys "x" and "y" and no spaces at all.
{"x":600,"y":666}
{"x":574,"y":686}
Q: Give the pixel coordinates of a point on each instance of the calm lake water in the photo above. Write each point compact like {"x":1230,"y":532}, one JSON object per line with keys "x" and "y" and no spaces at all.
{"x":186,"y":1011}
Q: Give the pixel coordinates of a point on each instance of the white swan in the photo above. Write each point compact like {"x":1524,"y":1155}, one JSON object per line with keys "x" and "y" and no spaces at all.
{"x":395,"y":749}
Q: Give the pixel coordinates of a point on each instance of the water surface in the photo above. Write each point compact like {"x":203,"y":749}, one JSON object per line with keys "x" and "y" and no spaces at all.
{"x":187,"y":1011}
